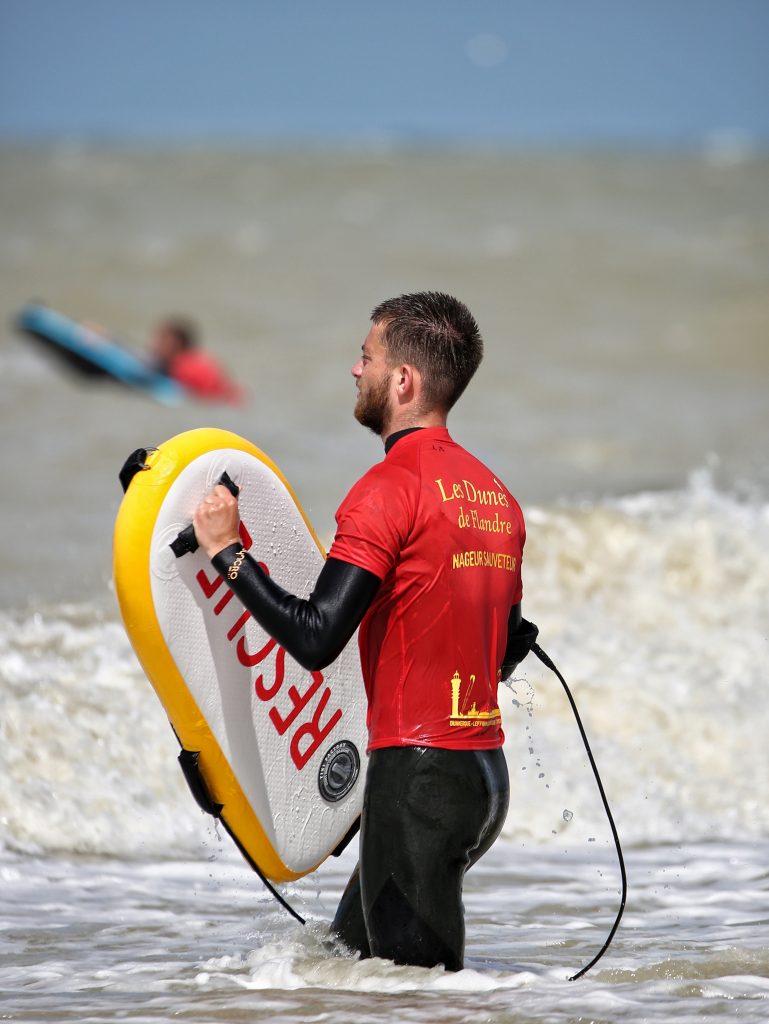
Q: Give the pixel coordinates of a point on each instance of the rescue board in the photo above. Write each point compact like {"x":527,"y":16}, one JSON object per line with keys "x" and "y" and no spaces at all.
{"x":89,"y":353}
{"x":278,"y":750}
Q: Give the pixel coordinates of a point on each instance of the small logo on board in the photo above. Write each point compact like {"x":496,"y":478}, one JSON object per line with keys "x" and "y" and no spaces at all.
{"x":338,"y":771}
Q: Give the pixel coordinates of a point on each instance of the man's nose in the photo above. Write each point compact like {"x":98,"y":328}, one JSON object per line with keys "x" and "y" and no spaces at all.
{"x":357,"y":369}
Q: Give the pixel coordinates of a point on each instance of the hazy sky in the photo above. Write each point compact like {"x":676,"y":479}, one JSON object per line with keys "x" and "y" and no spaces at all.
{"x":660,"y":71}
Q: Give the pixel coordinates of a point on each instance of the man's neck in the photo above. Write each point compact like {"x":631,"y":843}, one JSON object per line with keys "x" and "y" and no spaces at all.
{"x":392,"y":439}
{"x":408,"y":421}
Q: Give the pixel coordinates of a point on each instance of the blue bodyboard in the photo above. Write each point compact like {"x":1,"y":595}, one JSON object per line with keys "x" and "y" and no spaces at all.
{"x":92,"y":354}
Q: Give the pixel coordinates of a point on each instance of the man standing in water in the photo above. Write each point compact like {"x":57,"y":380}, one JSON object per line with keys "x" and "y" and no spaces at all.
{"x":427,"y":560}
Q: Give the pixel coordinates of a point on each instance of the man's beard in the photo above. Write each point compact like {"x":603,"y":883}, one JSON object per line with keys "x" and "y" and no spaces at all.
{"x":371,"y":407}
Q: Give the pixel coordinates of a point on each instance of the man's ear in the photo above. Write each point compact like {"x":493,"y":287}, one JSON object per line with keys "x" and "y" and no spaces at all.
{"x":406,"y":382}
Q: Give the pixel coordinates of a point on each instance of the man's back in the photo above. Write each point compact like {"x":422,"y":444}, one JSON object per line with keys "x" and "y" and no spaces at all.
{"x":445,"y":536}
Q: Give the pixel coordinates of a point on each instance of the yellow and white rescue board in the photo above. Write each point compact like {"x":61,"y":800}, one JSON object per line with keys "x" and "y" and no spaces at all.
{"x":279,"y":748}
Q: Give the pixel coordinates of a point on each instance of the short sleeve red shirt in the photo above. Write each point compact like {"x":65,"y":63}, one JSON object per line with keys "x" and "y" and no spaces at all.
{"x":446,"y":539}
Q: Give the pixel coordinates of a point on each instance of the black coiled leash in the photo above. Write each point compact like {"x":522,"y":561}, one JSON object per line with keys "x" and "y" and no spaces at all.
{"x":549,"y":664}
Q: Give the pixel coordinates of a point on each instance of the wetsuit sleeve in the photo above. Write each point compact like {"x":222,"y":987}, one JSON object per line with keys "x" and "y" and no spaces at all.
{"x":521,"y":636}
{"x":314,"y":631}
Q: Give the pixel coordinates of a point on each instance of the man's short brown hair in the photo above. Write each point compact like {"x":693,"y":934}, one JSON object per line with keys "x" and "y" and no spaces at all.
{"x":438,"y":335}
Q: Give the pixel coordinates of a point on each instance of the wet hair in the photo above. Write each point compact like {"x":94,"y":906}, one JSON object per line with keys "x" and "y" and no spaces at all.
{"x":183,"y":330}
{"x":438,"y":335}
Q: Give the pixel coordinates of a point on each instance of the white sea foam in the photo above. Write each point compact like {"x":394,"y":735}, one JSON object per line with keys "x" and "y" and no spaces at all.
{"x":655,"y":609}
{"x":87,"y":754}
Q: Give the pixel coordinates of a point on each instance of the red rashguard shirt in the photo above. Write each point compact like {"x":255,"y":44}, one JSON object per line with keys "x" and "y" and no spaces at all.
{"x":446,"y":539}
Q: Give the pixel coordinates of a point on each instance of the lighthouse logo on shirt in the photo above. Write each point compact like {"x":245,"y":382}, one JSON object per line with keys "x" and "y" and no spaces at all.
{"x":472,"y":716}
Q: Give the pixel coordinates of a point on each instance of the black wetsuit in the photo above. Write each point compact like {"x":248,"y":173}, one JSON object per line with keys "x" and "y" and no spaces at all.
{"x":428,"y":812}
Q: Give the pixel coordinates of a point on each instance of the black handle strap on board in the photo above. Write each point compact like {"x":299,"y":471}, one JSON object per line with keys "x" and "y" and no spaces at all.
{"x":189,"y":764}
{"x":135,"y":463}
{"x":549,"y":664}
{"x":187,"y":542}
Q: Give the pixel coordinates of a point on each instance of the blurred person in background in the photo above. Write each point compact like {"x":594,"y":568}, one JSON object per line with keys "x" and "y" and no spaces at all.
{"x":175,"y":351}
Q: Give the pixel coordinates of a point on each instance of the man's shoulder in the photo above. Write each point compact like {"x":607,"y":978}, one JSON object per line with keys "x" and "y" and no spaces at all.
{"x":382,"y":487}
{"x":478,"y":472}
{"x":387,"y":473}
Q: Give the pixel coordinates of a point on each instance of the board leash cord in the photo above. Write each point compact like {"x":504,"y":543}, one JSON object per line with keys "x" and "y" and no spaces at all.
{"x":543,"y":657}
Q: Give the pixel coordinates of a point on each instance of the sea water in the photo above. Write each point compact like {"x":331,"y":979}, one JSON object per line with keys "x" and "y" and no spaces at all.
{"x":623,"y":398}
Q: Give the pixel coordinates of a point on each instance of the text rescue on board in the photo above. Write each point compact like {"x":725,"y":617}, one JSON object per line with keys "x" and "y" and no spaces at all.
{"x":306,"y":735}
